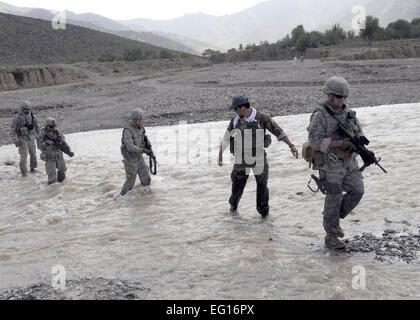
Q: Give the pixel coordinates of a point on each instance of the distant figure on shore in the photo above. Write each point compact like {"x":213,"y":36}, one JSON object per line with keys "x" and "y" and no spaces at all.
{"x":23,"y":131}
{"x":134,"y":143}
{"x":302,"y":59}
{"x":295,"y":59}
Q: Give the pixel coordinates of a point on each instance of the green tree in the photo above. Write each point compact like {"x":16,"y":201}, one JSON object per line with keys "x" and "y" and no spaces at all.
{"x":107,"y":57}
{"x":415,"y":29}
{"x":303,"y":43}
{"x":372,"y":29}
{"x":286,"y":42}
{"x":134,"y":54}
{"x":351,"y":35}
{"x":416,"y":22}
{"x":400,"y":29}
{"x":165,"y":54}
{"x":297,"y":32}
{"x":335,"y":35}
{"x":316,"y":39}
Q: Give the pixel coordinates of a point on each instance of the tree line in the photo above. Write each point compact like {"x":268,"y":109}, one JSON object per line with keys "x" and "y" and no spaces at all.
{"x":137,"y":54}
{"x":299,"y":40}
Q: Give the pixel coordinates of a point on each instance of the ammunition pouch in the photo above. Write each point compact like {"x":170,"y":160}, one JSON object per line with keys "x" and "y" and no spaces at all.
{"x":314,"y":157}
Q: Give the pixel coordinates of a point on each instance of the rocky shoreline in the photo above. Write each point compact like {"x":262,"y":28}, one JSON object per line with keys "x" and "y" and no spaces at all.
{"x":81,"y":289}
{"x":392,"y":246}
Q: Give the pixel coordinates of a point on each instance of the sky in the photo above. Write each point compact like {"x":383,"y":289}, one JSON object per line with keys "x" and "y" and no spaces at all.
{"x":130,"y":9}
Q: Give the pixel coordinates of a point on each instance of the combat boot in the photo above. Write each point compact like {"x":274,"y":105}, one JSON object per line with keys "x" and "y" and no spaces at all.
{"x":332,"y":242}
{"x":340,"y":233}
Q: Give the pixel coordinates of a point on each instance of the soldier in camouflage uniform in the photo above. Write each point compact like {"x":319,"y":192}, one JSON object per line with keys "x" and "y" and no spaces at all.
{"x":23,"y":131}
{"x":338,"y":167}
{"x":55,"y":165}
{"x":133,"y":146}
{"x":256,"y":123}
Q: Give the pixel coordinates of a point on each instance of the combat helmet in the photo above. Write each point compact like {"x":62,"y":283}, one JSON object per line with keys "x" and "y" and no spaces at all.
{"x":25,"y":106}
{"x":50,"y":122}
{"x":338,"y":86}
{"x":136,"y":114}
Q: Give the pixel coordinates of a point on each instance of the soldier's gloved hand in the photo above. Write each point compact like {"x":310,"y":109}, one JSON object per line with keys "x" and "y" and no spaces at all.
{"x":347,"y":145}
{"x":149,"y":153}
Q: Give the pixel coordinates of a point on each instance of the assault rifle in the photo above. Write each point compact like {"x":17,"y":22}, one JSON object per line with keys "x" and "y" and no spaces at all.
{"x":152,"y":158}
{"x":60,"y":144}
{"x":367,"y":156}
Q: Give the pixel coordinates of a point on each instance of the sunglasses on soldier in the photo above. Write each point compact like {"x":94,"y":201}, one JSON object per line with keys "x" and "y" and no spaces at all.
{"x":338,"y":96}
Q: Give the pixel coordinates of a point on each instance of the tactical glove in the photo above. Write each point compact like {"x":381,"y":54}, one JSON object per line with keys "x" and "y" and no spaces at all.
{"x":149,"y":153}
{"x":347,"y":145}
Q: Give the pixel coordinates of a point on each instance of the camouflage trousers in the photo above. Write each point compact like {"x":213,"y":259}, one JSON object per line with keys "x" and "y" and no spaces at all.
{"x":239,"y":179}
{"x":132,"y":169}
{"x":337,"y":206}
{"x":24,"y":149}
{"x":56,"y":170}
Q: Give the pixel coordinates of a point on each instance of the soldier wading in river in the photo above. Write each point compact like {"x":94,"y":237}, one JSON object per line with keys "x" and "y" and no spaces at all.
{"x":51,"y":142}
{"x":246,"y":137}
{"x":23,"y":131}
{"x":133,"y":144}
{"x":335,"y":158}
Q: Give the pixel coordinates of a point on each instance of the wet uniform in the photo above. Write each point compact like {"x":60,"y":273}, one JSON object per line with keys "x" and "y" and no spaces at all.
{"x":340,"y":170}
{"x":24,"y":128}
{"x":240,"y":172}
{"x":55,"y":165}
{"x":132,"y":148}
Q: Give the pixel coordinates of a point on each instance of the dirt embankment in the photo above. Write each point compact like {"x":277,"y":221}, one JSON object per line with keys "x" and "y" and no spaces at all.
{"x":37,"y":76}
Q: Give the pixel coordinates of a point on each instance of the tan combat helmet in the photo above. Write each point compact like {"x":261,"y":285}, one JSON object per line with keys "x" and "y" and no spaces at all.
{"x":50,"y":122}
{"x":338,"y":86}
{"x":136,"y":114}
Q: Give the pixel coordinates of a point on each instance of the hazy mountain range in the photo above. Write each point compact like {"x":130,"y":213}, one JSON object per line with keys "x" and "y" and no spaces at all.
{"x":270,"y":20}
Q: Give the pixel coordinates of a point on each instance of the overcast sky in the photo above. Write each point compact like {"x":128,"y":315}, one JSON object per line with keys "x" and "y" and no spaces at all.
{"x":131,"y":9}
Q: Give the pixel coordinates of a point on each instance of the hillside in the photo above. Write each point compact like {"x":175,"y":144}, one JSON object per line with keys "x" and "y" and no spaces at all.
{"x":28,"y":41}
{"x":103,"y":24}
